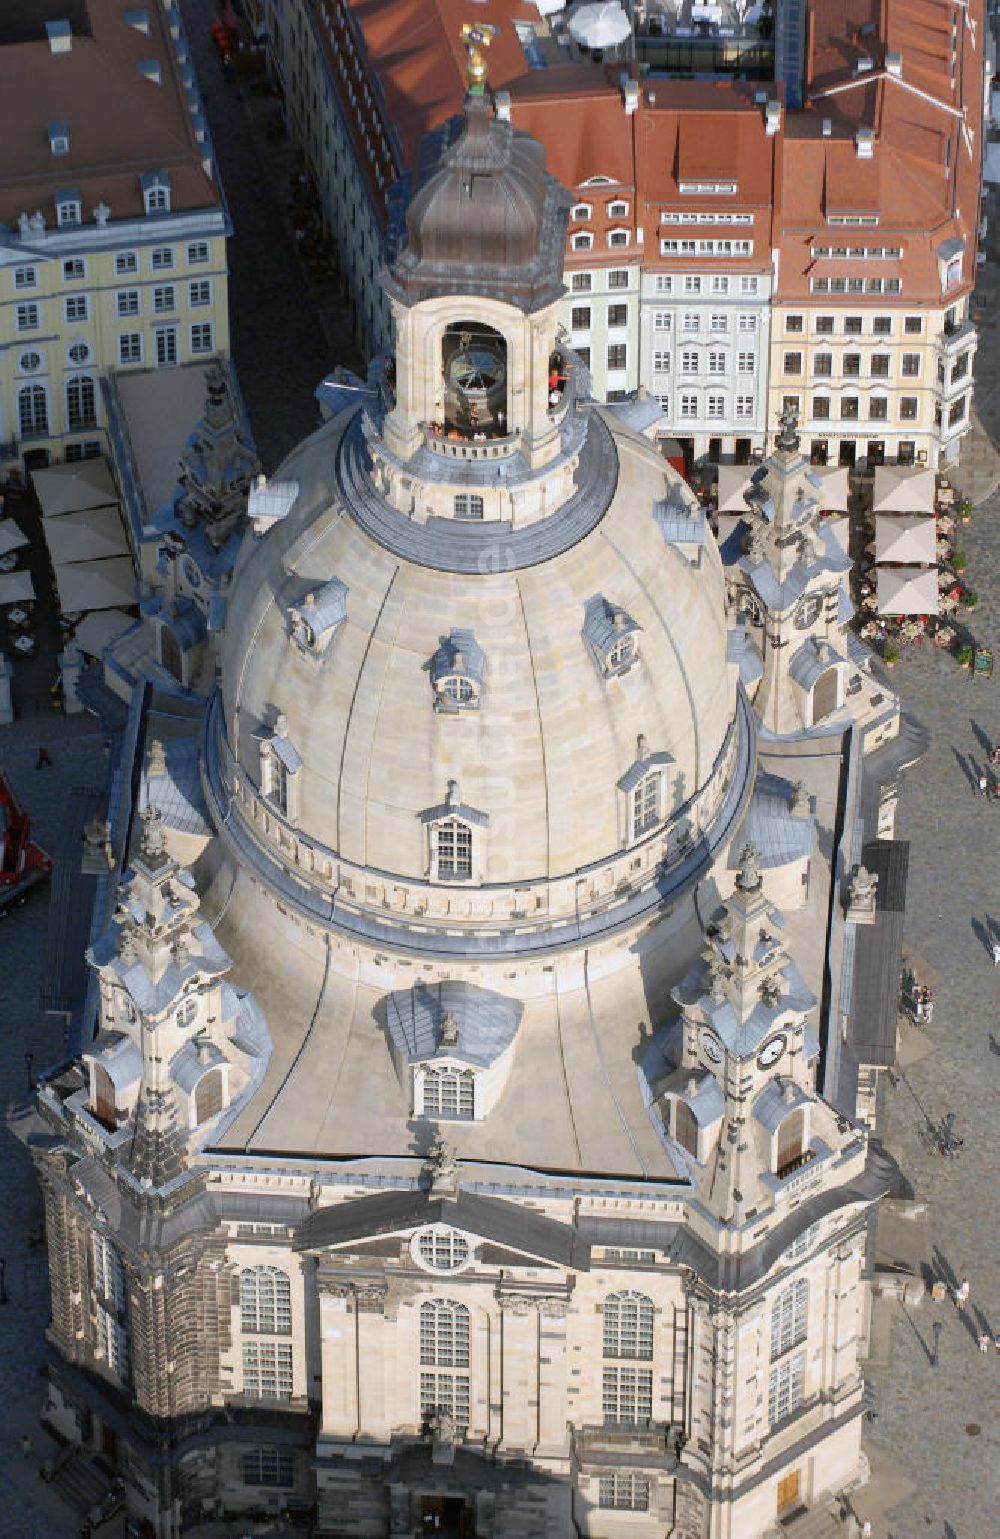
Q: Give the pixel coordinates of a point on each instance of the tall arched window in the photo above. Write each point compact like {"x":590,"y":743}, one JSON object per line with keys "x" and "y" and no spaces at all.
{"x":444,"y":1344}
{"x":791,"y":1137}
{"x":208,"y":1096}
{"x":265,"y":1302}
{"x":627,"y":1392}
{"x":104,"y":1106}
{"x":32,"y":411}
{"x":789,"y":1318}
{"x":81,"y":402}
{"x":628,"y":1325}
{"x":686,"y":1127}
{"x":454,"y":851}
{"x":646,"y":803}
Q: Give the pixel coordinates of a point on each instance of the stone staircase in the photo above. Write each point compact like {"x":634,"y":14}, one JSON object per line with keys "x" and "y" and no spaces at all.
{"x":81,"y":1481}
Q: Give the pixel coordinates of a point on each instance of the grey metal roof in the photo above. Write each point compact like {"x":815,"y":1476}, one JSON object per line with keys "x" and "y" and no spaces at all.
{"x":273,"y":500}
{"x":604,"y":624}
{"x":177,"y":792}
{"x":641,"y":767}
{"x":779,"y":835}
{"x":456,"y":809}
{"x":771,"y":1108}
{"x":490,"y":1218}
{"x":459,"y":643}
{"x":186,"y":621}
{"x":706,"y":1099}
{"x":450,"y":545}
{"x":187,"y":1067}
{"x":810,"y":660}
{"x":119,"y":1056}
{"x":743,"y":650}
{"x":487,"y":1022}
{"x":845,"y":609}
{"x":681,"y":521}
{"x":639,"y":411}
{"x":285,"y":750}
{"x":323,"y":608}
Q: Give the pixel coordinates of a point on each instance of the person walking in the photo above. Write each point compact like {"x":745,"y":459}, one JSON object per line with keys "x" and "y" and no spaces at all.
{"x":996,"y":953}
{"x":962,"y":1293}
{"x":984,"y":785}
{"x":44,"y":759}
{"x":984,"y":1342}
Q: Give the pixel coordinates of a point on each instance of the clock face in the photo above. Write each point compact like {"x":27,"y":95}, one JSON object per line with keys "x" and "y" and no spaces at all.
{"x":710,"y":1046}
{"x":771,"y":1052}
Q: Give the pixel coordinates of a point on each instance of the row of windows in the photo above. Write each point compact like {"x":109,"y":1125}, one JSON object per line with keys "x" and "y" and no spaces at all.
{"x":715,"y":283}
{"x":689,"y":405}
{"x":879,"y":365}
{"x":617,"y":209}
{"x":617,"y":315}
{"x":584,"y":241}
{"x":687,"y":216}
{"x":848,"y":409}
{"x":128,"y":302}
{"x":855,"y":285}
{"x":161,"y":259}
{"x":709,"y":248}
{"x":861,"y":253}
{"x":854,"y":325}
{"x":583,"y":283}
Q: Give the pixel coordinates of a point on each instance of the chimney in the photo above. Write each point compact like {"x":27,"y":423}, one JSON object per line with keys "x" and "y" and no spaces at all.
{"x":772,"y":118}
{"x":864,"y":143}
{"x":630,"y":95}
{"x":501,"y":103}
{"x":139,"y":20}
{"x":60,"y":35}
{"x":58,"y":138}
{"x":149,"y":69}
{"x":894,"y":63}
{"x":827,"y":127}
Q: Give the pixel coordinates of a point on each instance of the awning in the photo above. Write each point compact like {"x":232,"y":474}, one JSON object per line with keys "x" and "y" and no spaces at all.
{"x":833,"y":492}
{"x":86,"y":536}
{"x":15,"y":587}
{"x":97,"y":631}
{"x":72,"y":488}
{"x":96,"y":584}
{"x":901,"y":489}
{"x":907,"y":537}
{"x":907,"y":590}
{"x":11,"y":537}
{"x":733,"y":482}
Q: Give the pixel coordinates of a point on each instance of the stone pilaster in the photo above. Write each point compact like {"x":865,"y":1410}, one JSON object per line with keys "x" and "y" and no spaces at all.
{"x":519,"y":1370}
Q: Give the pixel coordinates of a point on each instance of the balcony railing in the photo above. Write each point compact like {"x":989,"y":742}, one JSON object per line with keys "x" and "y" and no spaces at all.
{"x":460,"y":446}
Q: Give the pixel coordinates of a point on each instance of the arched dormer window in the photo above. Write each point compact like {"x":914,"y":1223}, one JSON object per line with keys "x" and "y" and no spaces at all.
{"x":457,"y":673}
{"x":280,"y":763}
{"x":208,"y":1096}
{"x":581,"y":241}
{"x":643,"y":790}
{"x":454,"y":832}
{"x":612,"y":636}
{"x":317,"y":619}
{"x":446,"y":1092}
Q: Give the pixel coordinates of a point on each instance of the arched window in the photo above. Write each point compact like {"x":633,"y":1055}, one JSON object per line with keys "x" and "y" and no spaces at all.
{"x":621,"y":653}
{"x":265,"y":1302}
{"x":454,"y":851}
{"x":449,"y":1093}
{"x":826,"y":693}
{"x":791,"y":1135}
{"x":81,"y":402}
{"x":208,"y":1096}
{"x":646,"y":803}
{"x":628,"y":1326}
{"x":104,"y":1106}
{"x":444,"y":1344}
{"x":32,"y":411}
{"x":686,"y":1127}
{"x":789,"y":1318}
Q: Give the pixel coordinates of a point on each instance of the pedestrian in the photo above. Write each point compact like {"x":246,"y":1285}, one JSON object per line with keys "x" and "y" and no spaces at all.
{"x":984,"y":785}
{"x":984,"y":1342}
{"x":962,"y":1293}
{"x":996,"y":953}
{"x":866,"y":1529}
{"x":25,"y":1445}
{"x":43,"y":757}
{"x":996,"y":1341}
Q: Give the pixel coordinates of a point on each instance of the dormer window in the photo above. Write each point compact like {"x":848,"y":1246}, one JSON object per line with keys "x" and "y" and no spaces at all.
{"x":58,"y":138}
{"x":468,"y":505}
{"x":581,"y":241}
{"x":453,"y":838}
{"x":618,"y":209}
{"x":581,"y":211}
{"x":69,"y":208}
{"x":156,"y":192}
{"x":809,"y":611}
{"x":647,"y":803}
{"x":457,"y":673}
{"x":280,"y":763}
{"x":317,"y":619}
{"x":446,"y":1092}
{"x":612,"y":636}
{"x":643,"y":790}
{"x":617,"y":237}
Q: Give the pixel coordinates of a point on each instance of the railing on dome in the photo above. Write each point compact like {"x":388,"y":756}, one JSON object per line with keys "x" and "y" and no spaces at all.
{"x":463,"y":446}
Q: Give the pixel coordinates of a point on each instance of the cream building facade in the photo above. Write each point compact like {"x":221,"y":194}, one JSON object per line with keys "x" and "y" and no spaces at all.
{"x":452,"y":1150}
{"x":106,"y":263}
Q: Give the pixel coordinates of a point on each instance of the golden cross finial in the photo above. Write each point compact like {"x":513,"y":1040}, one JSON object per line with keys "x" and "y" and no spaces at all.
{"x":476,"y":36}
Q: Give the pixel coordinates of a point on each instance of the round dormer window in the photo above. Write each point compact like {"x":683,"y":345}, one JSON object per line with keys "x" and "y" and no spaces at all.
{"x":30,"y":363}
{"x":808,"y":611}
{"x":438,"y":1249}
{"x":79,"y":353}
{"x":187,"y":1012}
{"x":460,"y":691}
{"x":621,"y":653}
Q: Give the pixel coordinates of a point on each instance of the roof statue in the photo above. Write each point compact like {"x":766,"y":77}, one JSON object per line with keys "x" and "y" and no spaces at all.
{"x":153,"y":844}
{"x":449,"y":1030}
{"x":443,"y":1165}
{"x":787,"y":437}
{"x":477,"y":36}
{"x":748,"y":877}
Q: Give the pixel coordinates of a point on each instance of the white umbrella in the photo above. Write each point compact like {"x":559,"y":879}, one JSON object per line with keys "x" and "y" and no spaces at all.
{"x":549,"y":7}
{"x":906,"y":537}
{"x":600,"y":26}
{"x":907,"y":590}
{"x":15,"y":587}
{"x":98,"y":629}
{"x":733,"y":482}
{"x":11,"y":537}
{"x":96,"y":584}
{"x":903,"y":489}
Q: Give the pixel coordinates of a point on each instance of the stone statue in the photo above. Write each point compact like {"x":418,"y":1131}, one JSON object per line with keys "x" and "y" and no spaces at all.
{"x":153,"y":844}
{"x":861,"y":894}
{"x":157,"y":759}
{"x":102,"y":214}
{"x":444,"y":1432}
{"x":798,"y":802}
{"x":748,"y":877}
{"x":443,"y":1166}
{"x":449,"y":1030}
{"x":788,"y":422}
{"x":716,"y":986}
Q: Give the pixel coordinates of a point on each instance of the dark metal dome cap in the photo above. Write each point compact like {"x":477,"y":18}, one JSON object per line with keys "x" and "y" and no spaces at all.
{"x":484,"y":216}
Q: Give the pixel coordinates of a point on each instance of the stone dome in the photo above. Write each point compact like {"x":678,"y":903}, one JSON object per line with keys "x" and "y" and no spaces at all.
{"x":483,"y":217}
{"x":593,"y":652}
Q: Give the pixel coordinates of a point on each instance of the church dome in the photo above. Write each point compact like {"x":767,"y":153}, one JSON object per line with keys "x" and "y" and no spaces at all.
{"x":560,"y":703}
